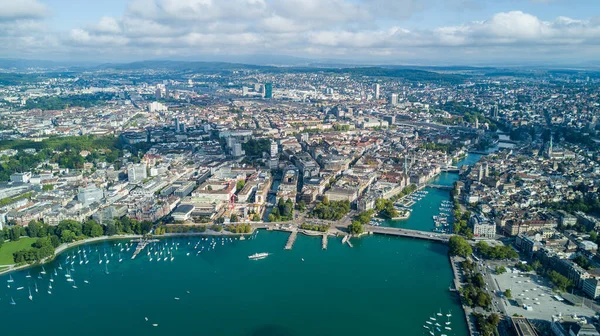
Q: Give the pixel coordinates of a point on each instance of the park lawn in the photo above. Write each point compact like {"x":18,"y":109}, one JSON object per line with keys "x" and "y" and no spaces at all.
{"x":8,"y":248}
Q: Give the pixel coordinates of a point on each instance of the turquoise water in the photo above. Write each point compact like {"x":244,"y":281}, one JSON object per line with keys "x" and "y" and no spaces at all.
{"x":421,"y":217}
{"x":382,"y":286}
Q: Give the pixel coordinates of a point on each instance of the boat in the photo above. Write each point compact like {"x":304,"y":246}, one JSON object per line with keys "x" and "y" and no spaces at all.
{"x":59,"y":267}
{"x":36,"y":289}
{"x":106,"y":269}
{"x":28,"y":275}
{"x":12,"y":301}
{"x":52,"y":278}
{"x":85,"y":281}
{"x":50,"y":286}
{"x":10,"y":280}
{"x":20,"y":288}
{"x":437,"y":325}
{"x":426,"y":327}
{"x":74,"y":285}
{"x":449,"y":314}
{"x":428,"y":322}
{"x":30,"y":296}
{"x":176,"y":298}
{"x":146,"y":318}
{"x":432,"y":318}
{"x":43,"y":271}
{"x":155,"y":325}
{"x":440,"y":313}
{"x":258,"y":256}
{"x":447,"y":328}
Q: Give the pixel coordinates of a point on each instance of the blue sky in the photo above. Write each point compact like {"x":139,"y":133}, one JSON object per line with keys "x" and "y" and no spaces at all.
{"x":376,"y":31}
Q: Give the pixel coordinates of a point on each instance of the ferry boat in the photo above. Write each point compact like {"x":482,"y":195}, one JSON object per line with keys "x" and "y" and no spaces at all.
{"x":257,"y":256}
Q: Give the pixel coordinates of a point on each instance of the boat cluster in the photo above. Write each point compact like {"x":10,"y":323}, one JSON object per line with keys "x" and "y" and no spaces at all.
{"x":441,"y":220}
{"x":433,"y":324}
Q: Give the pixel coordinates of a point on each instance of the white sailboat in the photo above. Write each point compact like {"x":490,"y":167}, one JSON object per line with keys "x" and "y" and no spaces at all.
{"x":30,"y":296}
{"x":36,"y":289}
{"x":43,"y":271}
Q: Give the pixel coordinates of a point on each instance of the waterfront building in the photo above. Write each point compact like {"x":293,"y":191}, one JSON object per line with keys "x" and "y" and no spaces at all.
{"x":377,"y":88}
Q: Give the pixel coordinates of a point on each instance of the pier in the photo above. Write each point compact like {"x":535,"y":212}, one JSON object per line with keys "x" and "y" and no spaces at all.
{"x":324,"y":242}
{"x":142,"y":243}
{"x":291,"y":240}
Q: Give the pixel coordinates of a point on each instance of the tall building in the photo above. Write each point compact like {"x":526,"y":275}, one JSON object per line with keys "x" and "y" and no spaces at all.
{"x":236,"y":150}
{"x":136,"y":172}
{"x":158,"y":93}
{"x":394,"y":99}
{"x":476,"y":122}
{"x":244,"y":91}
{"x":274,"y":149}
{"x":377,"y":91}
{"x":176,"y":122}
{"x":269,"y":90}
{"x":495,"y":111}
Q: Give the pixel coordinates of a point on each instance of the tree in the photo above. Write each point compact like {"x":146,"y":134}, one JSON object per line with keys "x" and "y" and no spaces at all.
{"x":240,"y":184}
{"x":110,"y":229}
{"x":67,"y":236}
{"x":34,"y":228}
{"x":255,"y":218}
{"x":234,"y":218}
{"x":301,"y":205}
{"x":459,"y":246}
{"x":500,"y":270}
{"x":47,"y":187}
{"x":96,"y":231}
{"x":355,"y":228}
{"x":508,"y":294}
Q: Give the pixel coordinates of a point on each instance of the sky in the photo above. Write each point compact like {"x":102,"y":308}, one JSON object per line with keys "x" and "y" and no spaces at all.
{"x":427,"y":32}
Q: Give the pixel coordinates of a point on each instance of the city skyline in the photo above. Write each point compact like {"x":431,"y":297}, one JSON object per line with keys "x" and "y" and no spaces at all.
{"x":507,"y":32}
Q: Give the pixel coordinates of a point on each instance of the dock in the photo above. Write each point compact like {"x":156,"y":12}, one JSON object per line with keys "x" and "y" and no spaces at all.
{"x":291,"y":240}
{"x":142,"y":243}
{"x":324,"y":243}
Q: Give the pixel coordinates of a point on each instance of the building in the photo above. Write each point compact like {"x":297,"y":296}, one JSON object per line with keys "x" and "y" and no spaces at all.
{"x":269,"y":90}
{"x":565,"y":325}
{"x":136,"y":173}
{"x":274,"y":149}
{"x":176,"y":124}
{"x":90,"y":194}
{"x":482,"y":227}
{"x":522,"y":327}
{"x":183,"y":212}
{"x":377,"y":87}
{"x":236,"y":150}
{"x":591,"y":287}
{"x":185,"y":189}
{"x":20,"y":177}
{"x":394,"y":99}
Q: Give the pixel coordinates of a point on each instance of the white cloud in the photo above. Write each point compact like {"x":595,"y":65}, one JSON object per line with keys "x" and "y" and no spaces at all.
{"x":342,"y":28}
{"x":22,"y":9}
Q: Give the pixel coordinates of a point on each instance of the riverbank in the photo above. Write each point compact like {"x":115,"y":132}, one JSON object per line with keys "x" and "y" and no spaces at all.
{"x":63,"y":247}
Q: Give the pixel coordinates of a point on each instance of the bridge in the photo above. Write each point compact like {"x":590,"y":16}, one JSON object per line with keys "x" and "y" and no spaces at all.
{"x":390,"y":231}
{"x":440,"y":186}
{"x":451,"y":169}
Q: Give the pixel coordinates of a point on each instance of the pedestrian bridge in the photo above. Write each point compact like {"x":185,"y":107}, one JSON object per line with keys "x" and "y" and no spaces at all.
{"x":440,"y":237}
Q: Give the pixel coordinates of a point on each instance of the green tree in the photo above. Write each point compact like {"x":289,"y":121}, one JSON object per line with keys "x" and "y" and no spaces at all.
{"x":508,"y":294}
{"x":47,"y":187}
{"x":458,"y":246}
{"x":234,"y":218}
{"x":240,"y":185}
{"x":500,"y":270}
{"x":67,"y":236}
{"x":355,"y":228}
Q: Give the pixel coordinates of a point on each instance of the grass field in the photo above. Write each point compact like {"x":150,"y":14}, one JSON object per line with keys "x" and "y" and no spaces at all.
{"x":8,"y":248}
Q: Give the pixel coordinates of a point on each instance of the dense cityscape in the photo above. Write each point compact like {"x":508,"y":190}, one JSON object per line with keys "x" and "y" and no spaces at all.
{"x":184,"y":148}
